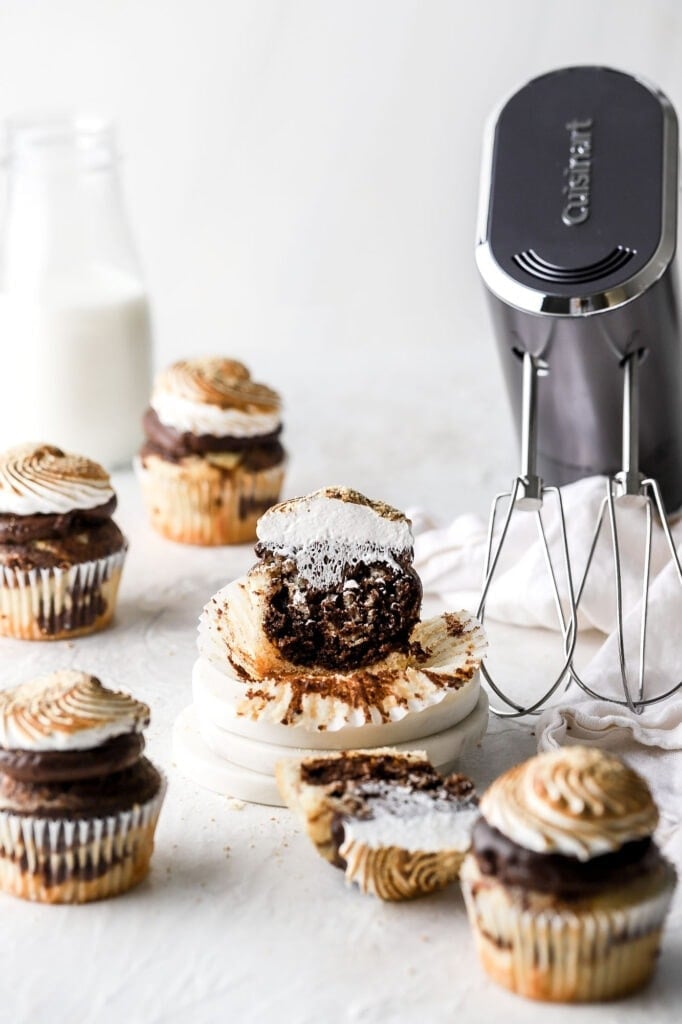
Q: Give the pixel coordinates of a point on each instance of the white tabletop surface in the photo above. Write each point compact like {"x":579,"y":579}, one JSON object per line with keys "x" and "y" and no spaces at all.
{"x":240,"y":919}
{"x":302,"y":179}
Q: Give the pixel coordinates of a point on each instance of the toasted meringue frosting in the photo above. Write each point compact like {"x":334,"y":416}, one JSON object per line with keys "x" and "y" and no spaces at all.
{"x":66,"y":710}
{"x":331,"y":528}
{"x":411,"y":820}
{"x":579,"y":801}
{"x":215,"y":396}
{"x":39,"y":478}
{"x":444,"y":656}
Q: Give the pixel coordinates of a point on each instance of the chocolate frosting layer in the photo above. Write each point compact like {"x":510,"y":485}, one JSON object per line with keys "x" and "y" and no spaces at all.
{"x":52,"y":766}
{"x":565,"y":877}
{"x":358,"y":768}
{"x":99,"y":797}
{"x":263,"y":456}
{"x":15,"y":529}
{"x":87,"y":544}
{"x":176,"y":445}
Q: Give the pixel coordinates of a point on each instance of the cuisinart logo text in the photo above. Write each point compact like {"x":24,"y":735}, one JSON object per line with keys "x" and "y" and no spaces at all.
{"x":578,"y":173}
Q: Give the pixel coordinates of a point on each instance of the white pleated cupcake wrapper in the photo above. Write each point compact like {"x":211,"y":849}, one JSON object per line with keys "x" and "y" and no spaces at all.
{"x":394,"y":874}
{"x":560,"y":954}
{"x":209,"y":511}
{"x":74,"y":849}
{"x":32,"y":599}
{"x":408,"y":690}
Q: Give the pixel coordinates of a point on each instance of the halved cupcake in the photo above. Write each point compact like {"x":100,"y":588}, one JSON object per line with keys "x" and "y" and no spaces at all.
{"x":324,"y":632}
{"x":321,"y":647}
{"x":396,"y":827}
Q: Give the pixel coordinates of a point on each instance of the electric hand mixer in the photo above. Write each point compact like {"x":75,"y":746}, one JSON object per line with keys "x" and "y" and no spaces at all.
{"x":576,"y":247}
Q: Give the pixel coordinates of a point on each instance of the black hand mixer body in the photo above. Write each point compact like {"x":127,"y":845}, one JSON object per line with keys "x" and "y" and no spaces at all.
{"x":576,"y":246}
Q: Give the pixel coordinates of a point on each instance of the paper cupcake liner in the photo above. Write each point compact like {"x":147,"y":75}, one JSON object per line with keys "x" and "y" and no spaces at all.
{"x":393,"y":874}
{"x":440,"y":668}
{"x":75,"y":861}
{"x":219,"y":508}
{"x":595,"y":950}
{"x":57,"y":604}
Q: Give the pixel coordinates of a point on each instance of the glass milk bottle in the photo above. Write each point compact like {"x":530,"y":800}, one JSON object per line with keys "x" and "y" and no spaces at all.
{"x":75,"y":343}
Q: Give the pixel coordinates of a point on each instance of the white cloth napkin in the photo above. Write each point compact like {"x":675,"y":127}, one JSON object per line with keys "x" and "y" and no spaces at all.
{"x":450,"y":563}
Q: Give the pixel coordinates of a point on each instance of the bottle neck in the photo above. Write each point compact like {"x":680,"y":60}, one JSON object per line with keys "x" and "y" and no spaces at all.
{"x":64,"y":215}
{"x":47,"y":141}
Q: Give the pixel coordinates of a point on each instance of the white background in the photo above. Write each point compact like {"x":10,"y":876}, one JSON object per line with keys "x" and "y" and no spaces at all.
{"x":302,"y":178}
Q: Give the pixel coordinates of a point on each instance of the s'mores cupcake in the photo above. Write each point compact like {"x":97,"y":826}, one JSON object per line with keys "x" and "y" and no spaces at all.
{"x":324,"y":631}
{"x":566,"y":890}
{"x":78,"y":801}
{"x":396,"y":827}
{"x":320,"y":646}
{"x":61,"y":553}
{"x":212,"y":462}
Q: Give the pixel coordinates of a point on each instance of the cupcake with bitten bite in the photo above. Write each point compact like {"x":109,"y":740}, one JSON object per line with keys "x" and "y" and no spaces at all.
{"x":78,"y":801}
{"x":566,"y":890}
{"x":213,"y":461}
{"x":321,"y":646}
{"x":61,"y":553}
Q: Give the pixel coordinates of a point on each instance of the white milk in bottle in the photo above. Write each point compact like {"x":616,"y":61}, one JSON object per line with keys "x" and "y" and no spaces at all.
{"x":74,"y":318}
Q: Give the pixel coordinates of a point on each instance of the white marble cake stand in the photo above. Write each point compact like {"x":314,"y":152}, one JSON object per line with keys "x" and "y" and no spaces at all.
{"x":227,"y":773}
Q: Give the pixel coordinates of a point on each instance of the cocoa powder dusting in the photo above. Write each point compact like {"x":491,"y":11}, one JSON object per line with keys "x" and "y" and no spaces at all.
{"x":449,"y":682}
{"x":453,"y":624}
{"x":362,"y":690}
{"x":419,"y":652}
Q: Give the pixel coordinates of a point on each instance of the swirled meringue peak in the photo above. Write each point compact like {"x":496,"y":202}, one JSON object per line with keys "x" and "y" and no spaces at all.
{"x":40,"y":478}
{"x":578,"y":801}
{"x":215,"y":396}
{"x":67,"y":710}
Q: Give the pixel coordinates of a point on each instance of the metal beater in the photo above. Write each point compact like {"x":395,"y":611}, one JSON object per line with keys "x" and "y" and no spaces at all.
{"x":639,"y":495}
{"x":527,"y":495}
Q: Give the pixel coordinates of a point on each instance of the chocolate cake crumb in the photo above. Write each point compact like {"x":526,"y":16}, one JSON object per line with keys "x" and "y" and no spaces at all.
{"x":454,"y":624}
{"x":366,"y":616}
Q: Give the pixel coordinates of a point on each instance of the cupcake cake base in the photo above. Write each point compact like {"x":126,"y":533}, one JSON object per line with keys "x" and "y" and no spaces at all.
{"x":63,"y":861}
{"x":551,"y":950}
{"x":229,"y":776}
{"x":58,"y":603}
{"x":197,"y":502}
